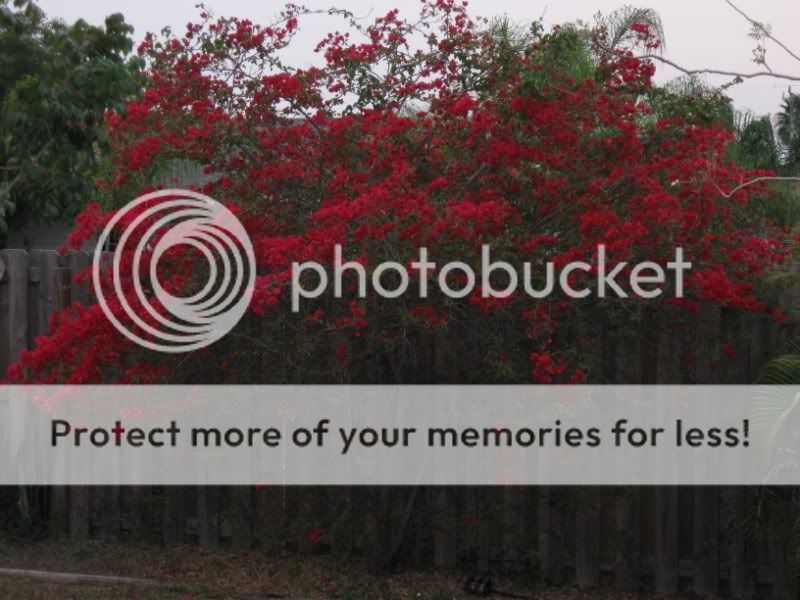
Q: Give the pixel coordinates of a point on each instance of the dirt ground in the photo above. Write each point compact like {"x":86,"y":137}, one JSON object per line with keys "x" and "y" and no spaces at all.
{"x":194,"y":574}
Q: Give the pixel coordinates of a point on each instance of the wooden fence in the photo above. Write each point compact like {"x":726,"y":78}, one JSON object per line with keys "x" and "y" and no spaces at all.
{"x":721,"y":541}
{"x":33,"y":286}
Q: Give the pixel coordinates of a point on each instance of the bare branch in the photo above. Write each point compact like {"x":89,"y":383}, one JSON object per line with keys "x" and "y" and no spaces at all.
{"x":718,"y":71}
{"x":688,"y":71}
{"x":754,"y":181}
{"x":761,"y":27}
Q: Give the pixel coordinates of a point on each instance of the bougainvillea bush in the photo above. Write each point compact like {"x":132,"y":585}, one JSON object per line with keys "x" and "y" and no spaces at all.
{"x":442,"y":131}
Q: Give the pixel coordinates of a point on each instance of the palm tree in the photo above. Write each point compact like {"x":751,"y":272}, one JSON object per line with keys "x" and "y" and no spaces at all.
{"x":755,"y":146}
{"x":788,"y":127}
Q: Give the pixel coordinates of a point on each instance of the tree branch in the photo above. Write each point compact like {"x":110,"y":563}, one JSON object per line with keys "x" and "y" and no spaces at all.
{"x":752,"y":182}
{"x":6,"y":188}
{"x":688,"y":71}
{"x":760,"y":26}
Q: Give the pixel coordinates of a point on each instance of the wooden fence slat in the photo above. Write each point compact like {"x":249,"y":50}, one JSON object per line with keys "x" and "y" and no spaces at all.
{"x":78,"y":263}
{"x":550,"y":541}
{"x":173,"y":517}
{"x":706,"y":540}
{"x":486,"y":508}
{"x":104,"y":507}
{"x":208,"y":516}
{"x":741,"y":572}
{"x":666,"y":506}
{"x":587,"y":542}
{"x":63,"y":287}
{"x":47,"y":264}
{"x":468,"y":540}
{"x":666,"y":540}
{"x":511,"y":527}
{"x":628,"y":539}
{"x":33,"y":304}
{"x":443,"y":533}
{"x":56,"y":297}
{"x":270,"y":526}
{"x":79,"y":496}
{"x":784,"y":574}
{"x":4,"y":320}
{"x":79,"y":507}
{"x":240,"y":516}
{"x":16,"y":330}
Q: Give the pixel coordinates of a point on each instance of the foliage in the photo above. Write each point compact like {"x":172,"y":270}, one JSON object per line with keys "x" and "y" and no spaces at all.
{"x":529,"y":156}
{"x":789,"y":131}
{"x":56,"y":83}
{"x":693,"y":100}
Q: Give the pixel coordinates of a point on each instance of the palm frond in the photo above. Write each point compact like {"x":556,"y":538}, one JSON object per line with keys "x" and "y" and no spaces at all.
{"x":755,"y":142}
{"x":619,"y":26}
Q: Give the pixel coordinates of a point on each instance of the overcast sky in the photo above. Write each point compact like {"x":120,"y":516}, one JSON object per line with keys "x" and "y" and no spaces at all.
{"x":700,"y":33}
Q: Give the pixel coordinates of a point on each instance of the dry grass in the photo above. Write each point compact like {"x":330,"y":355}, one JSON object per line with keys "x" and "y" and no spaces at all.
{"x":200,"y":574}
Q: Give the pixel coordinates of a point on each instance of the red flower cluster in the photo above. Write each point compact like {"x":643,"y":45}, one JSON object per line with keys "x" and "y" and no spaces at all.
{"x":509,"y":153}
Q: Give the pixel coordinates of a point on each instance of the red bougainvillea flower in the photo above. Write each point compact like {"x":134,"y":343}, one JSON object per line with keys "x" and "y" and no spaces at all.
{"x":315,"y":535}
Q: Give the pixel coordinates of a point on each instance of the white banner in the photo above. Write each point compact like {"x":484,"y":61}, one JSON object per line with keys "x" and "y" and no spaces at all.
{"x":399,"y":435}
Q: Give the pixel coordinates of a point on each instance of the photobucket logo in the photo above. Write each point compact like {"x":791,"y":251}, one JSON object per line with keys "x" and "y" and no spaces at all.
{"x":159,"y":222}
{"x":644,"y":280}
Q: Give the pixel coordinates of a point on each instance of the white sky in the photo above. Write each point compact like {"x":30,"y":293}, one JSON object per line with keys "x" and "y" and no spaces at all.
{"x":700,"y":33}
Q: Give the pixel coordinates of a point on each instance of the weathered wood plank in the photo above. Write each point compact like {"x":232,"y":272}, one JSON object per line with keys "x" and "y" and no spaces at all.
{"x":443,"y":534}
{"x":46,"y":262}
{"x":706,"y":540}
{"x":587,"y":543}
{"x":208,"y":516}
{"x":550,"y":538}
{"x":79,"y":263}
{"x":742,"y":584}
{"x":627,"y":567}
{"x":16,"y":338}
{"x":79,"y":512}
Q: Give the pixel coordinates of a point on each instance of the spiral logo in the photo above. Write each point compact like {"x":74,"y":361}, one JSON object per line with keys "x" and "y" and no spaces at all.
{"x":152,"y":227}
